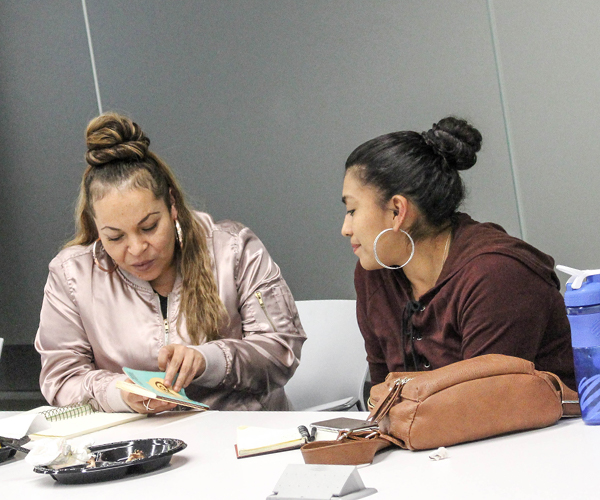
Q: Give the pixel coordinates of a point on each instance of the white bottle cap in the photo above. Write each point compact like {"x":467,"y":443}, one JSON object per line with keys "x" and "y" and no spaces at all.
{"x":577,"y":277}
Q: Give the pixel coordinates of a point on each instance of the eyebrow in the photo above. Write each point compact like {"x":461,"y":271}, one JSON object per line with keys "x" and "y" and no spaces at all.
{"x":139,"y":223}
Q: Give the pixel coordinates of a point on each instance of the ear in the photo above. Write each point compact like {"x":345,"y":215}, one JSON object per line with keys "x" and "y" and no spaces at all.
{"x":399,"y":206}
{"x":173,"y":208}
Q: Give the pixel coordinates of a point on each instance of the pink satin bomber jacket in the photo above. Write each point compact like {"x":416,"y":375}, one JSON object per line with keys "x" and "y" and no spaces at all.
{"x":93,"y":323}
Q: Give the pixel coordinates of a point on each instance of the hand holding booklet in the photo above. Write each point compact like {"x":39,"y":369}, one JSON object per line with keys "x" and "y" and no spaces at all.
{"x":151,"y":385}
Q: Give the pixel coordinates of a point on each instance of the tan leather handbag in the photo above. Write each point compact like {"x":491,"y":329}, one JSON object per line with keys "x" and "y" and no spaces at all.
{"x":465,"y":401}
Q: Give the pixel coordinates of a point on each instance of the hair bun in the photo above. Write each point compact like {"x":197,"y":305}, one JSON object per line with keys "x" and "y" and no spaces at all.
{"x":111,"y":137}
{"x":456,"y":140}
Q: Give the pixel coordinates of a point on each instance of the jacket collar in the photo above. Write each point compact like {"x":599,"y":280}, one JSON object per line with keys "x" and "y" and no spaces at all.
{"x":145,"y":286}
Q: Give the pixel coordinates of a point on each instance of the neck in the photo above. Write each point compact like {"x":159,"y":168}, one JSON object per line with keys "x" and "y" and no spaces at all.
{"x":426,"y":266}
{"x":165,"y":282}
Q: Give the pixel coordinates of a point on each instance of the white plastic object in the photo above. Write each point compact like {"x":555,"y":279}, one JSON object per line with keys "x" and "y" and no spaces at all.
{"x":577,"y":277}
{"x":320,"y":482}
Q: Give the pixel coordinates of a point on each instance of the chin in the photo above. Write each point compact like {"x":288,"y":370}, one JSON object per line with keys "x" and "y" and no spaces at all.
{"x":149,"y":275}
{"x":369,"y":264}
{"x":146,"y":277}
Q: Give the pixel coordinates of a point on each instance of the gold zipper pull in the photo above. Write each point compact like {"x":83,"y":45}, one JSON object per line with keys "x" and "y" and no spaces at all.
{"x":258,"y":295}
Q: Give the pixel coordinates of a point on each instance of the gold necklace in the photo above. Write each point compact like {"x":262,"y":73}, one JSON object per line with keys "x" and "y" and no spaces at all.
{"x":446,"y":248}
{"x":445,"y":256}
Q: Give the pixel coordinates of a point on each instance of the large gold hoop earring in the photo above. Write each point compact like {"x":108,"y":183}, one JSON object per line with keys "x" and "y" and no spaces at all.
{"x":95,"y":256}
{"x":377,"y":256}
{"x":179,"y":234}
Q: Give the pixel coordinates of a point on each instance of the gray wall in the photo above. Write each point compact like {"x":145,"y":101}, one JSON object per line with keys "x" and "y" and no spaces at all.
{"x":551,"y":73}
{"x":46,"y":98}
{"x":257,"y":103}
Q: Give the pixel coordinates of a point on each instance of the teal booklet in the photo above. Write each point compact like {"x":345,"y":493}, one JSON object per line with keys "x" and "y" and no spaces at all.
{"x":151,"y":385}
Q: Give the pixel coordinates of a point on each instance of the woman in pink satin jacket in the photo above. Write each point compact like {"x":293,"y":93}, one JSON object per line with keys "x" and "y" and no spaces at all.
{"x":148,"y":284}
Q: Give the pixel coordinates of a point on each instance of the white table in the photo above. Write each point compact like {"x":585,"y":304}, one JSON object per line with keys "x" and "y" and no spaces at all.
{"x":559,"y":462}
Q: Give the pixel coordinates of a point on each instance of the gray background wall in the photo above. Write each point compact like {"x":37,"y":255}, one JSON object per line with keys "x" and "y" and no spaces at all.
{"x":257,"y":103}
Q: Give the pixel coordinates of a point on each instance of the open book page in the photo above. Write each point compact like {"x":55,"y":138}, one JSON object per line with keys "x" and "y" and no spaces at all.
{"x":258,"y":440}
{"x":151,"y":385}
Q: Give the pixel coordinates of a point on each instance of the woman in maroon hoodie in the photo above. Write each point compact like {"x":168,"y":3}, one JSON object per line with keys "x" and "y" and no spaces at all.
{"x":434,"y":286}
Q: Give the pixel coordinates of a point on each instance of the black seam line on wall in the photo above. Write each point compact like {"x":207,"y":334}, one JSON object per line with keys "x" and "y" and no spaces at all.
{"x":507,"y":128}
{"x":93,"y":60}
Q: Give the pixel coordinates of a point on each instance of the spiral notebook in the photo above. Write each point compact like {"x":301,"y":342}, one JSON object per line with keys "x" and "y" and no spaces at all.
{"x":75,"y":420}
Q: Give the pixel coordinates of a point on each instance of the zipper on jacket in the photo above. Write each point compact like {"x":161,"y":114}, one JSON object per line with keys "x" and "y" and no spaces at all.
{"x":166,"y":331}
{"x":264,"y":308}
{"x":165,"y":320}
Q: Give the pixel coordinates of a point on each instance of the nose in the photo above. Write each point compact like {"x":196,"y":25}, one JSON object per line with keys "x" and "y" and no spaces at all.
{"x":346,"y":226}
{"x":137,"y":246}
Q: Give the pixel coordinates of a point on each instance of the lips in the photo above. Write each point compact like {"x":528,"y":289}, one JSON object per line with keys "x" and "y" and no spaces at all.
{"x":143,"y":266}
{"x":355,"y":247}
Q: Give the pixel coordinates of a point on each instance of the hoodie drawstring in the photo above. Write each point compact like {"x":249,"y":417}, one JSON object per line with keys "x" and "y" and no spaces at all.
{"x":412,"y":306}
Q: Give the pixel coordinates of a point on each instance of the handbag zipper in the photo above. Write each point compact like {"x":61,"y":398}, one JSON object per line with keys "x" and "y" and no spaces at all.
{"x":387,"y":403}
{"x":264,"y":308}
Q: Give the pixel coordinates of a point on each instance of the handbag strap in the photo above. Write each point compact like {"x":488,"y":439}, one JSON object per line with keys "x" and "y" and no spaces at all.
{"x":353,"y":448}
{"x":569,"y":398}
{"x":357,"y":447}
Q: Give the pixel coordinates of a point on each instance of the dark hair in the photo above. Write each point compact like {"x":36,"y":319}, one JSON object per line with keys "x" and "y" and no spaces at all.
{"x":423,"y":167}
{"x":118,"y":156}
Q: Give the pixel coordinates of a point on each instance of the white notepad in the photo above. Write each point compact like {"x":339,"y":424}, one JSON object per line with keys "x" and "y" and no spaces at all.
{"x":85,"y":424}
{"x":67,"y":422}
{"x":259,"y":440}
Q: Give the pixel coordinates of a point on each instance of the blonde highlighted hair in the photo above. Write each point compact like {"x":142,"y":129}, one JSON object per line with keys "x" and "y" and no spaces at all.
{"x":118,"y":155}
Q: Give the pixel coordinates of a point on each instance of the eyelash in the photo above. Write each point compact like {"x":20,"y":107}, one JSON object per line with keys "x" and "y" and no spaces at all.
{"x":146,"y":230}
{"x":350,"y":212}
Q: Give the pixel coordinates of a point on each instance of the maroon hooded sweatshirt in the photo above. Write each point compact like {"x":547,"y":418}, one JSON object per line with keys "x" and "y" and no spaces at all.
{"x":495,"y":294}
